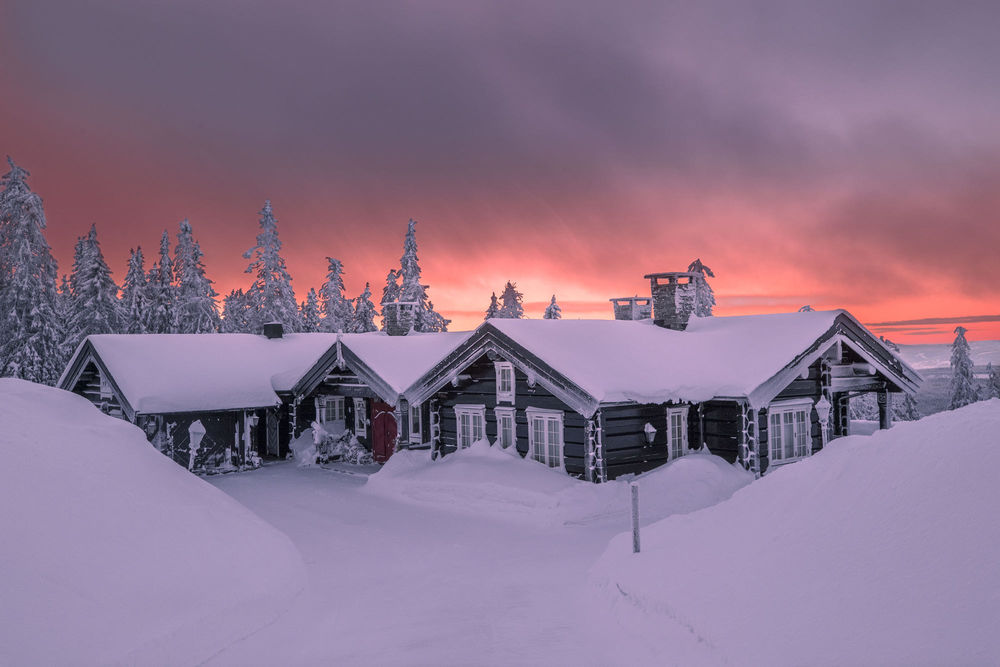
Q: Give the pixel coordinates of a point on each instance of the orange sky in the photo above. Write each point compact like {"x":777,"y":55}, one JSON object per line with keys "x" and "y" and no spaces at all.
{"x":569,"y":150}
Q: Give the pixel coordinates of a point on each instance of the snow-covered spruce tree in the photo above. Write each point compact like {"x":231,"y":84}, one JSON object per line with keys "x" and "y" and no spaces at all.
{"x":32,"y":345}
{"x":963,"y":388}
{"x":335,"y":308}
{"x":704,"y":299}
{"x":993,"y":381}
{"x":552,"y":311}
{"x":412,"y":291}
{"x":64,"y":299}
{"x":134,"y":293}
{"x":493,"y":309}
{"x":235,"y":313}
{"x":270,"y":297}
{"x":195,"y":310}
{"x":806,"y":309}
{"x":160,"y":291}
{"x":364,"y":312}
{"x":95,"y":306}
{"x":390,"y":293}
{"x":309,"y":312}
{"x":510,"y":302}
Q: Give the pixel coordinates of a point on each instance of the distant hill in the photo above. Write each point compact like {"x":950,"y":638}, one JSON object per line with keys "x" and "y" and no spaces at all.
{"x":938,"y":355}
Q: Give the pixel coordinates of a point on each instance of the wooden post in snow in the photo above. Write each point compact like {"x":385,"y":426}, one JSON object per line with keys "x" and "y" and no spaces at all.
{"x":634,"y":486}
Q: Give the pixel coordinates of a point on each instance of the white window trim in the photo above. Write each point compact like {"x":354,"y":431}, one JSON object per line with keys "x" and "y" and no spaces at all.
{"x":473,"y":411}
{"x":505,"y":396}
{"x":791,"y":405}
{"x":506,"y":412}
{"x":416,"y":436}
{"x":682,"y":411}
{"x":321,"y":403}
{"x":360,"y":418}
{"x":536,"y":413}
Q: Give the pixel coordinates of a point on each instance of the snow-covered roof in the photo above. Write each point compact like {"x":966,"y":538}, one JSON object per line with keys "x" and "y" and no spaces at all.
{"x":638,"y":361}
{"x":400,"y":360}
{"x":161,"y":373}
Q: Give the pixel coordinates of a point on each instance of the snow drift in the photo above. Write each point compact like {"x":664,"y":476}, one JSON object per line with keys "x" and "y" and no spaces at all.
{"x":879,"y":550}
{"x":111,"y":553}
{"x":492,"y":482}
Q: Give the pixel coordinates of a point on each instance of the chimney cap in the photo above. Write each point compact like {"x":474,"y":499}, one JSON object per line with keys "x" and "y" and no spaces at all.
{"x":274,"y":330}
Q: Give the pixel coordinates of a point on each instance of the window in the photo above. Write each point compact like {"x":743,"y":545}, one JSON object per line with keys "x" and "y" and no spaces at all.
{"x":105,"y":387}
{"x":505,"y":381}
{"x":360,"y":418}
{"x":789,"y":431}
{"x":471,"y":423}
{"x":677,"y":432}
{"x":506,"y":435}
{"x":330,"y":409}
{"x":416,"y":425}
{"x":545,"y":436}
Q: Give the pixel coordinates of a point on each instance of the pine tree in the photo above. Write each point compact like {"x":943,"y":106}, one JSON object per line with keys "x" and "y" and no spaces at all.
{"x":993,"y":381}
{"x":493,"y":309}
{"x":510,"y":302}
{"x":553,"y":311}
{"x":412,"y":291}
{"x":309,"y":311}
{"x":270,"y":297}
{"x":806,"y":309}
{"x":363,"y":320}
{"x":704,"y":299}
{"x":390,"y":293}
{"x":336,"y":309}
{"x":160,"y":291}
{"x":134,"y":293}
{"x":196,"y":310}
{"x":33,"y":343}
{"x":95,"y":306}
{"x":963,"y":388}
{"x":235,"y":313}
{"x":64,"y":299}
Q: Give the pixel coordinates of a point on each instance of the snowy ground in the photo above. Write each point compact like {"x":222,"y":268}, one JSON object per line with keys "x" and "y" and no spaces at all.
{"x":477,"y":572}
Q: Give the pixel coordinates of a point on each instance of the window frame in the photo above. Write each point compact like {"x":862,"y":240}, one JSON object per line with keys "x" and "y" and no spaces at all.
{"x":681,"y":412}
{"x":360,"y":418}
{"x":775,"y":436}
{"x":547,"y":417}
{"x":472,"y":411}
{"x":323,"y":405}
{"x":505,"y":396}
{"x":506,"y":413}
{"x":415,"y":437}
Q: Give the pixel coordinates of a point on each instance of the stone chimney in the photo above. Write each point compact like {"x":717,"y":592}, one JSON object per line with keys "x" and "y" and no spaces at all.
{"x":632,"y":308}
{"x":399,"y":317}
{"x":673,"y":298}
{"x":274,"y":330}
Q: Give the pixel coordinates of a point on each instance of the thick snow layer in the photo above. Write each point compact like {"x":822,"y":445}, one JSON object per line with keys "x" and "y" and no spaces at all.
{"x":489,"y":481}
{"x":160,"y":373}
{"x":111,"y":553}
{"x":880,"y":549}
{"x":716,"y":356}
{"x":401,"y":360}
{"x":938,"y":355}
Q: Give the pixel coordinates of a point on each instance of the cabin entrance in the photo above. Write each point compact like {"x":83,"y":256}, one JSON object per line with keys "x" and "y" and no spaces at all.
{"x":383,"y":431}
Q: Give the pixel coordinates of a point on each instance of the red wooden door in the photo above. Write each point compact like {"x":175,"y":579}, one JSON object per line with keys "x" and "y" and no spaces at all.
{"x":383,"y":431}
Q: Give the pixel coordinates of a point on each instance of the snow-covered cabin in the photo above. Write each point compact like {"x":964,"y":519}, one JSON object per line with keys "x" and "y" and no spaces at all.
{"x":243,"y":397}
{"x":602,"y":398}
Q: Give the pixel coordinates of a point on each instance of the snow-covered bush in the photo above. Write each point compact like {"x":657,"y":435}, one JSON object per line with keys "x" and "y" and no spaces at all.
{"x":339,"y":447}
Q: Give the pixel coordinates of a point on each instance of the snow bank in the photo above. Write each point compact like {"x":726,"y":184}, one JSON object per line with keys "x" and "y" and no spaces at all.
{"x":112,"y":553}
{"x":492,"y":482}
{"x":878,"y":550}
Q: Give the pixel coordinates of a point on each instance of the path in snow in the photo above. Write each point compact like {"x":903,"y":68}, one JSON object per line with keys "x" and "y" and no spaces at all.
{"x":391,"y":583}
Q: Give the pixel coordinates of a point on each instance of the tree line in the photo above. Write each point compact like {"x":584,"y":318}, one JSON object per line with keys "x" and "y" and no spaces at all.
{"x":43,"y":322}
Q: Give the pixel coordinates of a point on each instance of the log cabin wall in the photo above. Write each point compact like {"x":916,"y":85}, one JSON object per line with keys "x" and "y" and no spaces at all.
{"x":477,"y":386}
{"x":89,"y":386}
{"x":338,"y":383}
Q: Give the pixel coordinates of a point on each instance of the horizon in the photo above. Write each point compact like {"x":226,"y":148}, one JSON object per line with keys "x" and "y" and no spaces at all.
{"x":835,"y":156}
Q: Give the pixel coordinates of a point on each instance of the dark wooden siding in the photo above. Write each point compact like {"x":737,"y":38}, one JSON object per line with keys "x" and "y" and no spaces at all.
{"x":338,"y":383}
{"x":723,"y":428}
{"x":89,"y":386}
{"x":479,"y":388}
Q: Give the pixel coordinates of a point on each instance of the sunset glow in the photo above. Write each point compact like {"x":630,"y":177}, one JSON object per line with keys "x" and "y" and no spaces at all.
{"x":841,"y":161}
